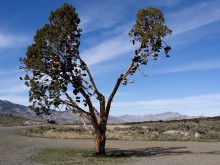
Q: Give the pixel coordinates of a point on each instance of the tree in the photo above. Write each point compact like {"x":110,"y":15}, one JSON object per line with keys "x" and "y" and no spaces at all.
{"x":54,"y":67}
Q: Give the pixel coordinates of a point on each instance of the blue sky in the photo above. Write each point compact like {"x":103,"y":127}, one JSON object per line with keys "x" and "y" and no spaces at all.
{"x":188,"y":82}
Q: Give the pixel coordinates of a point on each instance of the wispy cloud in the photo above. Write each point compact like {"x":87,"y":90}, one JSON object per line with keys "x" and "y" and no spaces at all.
{"x":14,"y":90}
{"x":22,"y":100}
{"x":99,"y":16}
{"x":100,"y":69}
{"x":165,"y":3}
{"x":15,"y":93}
{"x":195,"y":66}
{"x":13,"y":41}
{"x":194,"y":16}
{"x":10,"y":72}
{"x":108,"y":50}
{"x":197,"y":105}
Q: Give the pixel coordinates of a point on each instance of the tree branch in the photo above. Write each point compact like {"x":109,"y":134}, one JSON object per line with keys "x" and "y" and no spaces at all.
{"x":108,"y":106}
{"x":100,"y":97}
{"x":73,"y":104}
{"x":124,"y":75}
{"x":89,"y":85}
{"x":89,"y":129}
{"x":90,"y":76}
{"x":142,"y":73}
{"x":91,"y":110}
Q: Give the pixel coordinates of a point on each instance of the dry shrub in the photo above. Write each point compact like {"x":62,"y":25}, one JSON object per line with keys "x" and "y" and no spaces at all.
{"x":209,"y":130}
{"x":66,"y":135}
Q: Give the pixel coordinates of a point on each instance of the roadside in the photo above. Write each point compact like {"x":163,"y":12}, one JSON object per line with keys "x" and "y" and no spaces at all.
{"x":15,"y":149}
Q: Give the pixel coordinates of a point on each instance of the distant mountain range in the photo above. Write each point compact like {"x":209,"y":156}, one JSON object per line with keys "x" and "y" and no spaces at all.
{"x":67,"y":117}
{"x":61,"y":117}
{"x":155,"y":117}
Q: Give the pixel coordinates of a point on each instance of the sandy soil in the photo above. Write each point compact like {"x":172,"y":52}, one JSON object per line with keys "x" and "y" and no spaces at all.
{"x":15,"y":149}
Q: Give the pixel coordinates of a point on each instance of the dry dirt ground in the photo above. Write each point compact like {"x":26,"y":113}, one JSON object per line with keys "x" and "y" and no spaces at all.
{"x":15,"y":149}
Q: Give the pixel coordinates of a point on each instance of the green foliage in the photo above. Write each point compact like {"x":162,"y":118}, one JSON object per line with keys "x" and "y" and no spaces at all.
{"x":150,"y":31}
{"x":150,"y":27}
{"x":53,"y":59}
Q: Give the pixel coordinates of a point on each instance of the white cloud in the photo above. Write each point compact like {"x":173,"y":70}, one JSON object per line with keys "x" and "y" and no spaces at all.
{"x":200,"y":65}
{"x":14,"y":90}
{"x":22,"y":100}
{"x":15,"y":93}
{"x":165,"y":3}
{"x":13,"y":41}
{"x":194,"y":17}
{"x":3,"y":72}
{"x":107,"y":50}
{"x":99,"y":16}
{"x":193,"y":105}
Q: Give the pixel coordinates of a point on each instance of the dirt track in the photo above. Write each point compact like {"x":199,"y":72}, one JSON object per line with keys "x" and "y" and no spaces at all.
{"x":14,"y":149}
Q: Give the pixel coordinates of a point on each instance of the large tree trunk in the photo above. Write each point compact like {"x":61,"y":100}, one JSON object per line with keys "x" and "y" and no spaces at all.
{"x":100,"y":139}
{"x":100,"y":145}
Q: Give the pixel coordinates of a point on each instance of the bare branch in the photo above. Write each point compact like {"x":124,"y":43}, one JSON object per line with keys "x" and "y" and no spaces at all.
{"x":89,"y":129}
{"x":90,"y":76}
{"x":108,"y":106}
{"x":91,"y":109}
{"x":73,"y":104}
{"x":142,"y":72}
{"x":124,"y":75}
{"x":89,"y":85}
{"x":131,"y":65}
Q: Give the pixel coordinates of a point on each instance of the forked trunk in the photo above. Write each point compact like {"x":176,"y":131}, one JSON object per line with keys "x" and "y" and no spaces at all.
{"x":100,"y":145}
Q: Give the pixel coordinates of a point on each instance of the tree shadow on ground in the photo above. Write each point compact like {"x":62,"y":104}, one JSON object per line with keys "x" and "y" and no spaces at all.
{"x":153,"y":151}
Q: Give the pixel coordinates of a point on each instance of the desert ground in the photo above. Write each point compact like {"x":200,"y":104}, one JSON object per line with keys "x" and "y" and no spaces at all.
{"x":15,"y":149}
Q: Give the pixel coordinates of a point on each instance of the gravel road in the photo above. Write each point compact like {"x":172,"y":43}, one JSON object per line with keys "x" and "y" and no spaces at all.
{"x":15,"y":149}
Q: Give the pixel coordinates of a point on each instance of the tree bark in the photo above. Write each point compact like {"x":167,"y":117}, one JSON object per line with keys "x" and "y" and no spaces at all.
{"x":100,"y":145}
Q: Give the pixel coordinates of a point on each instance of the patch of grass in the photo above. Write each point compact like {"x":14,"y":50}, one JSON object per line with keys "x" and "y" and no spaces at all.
{"x":68,"y":156}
